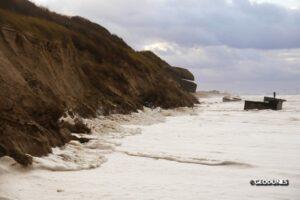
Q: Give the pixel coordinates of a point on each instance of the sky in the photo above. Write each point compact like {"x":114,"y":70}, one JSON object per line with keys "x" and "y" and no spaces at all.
{"x":240,"y":46}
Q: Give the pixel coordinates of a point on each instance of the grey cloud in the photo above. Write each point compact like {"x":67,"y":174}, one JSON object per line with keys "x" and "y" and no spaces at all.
{"x":234,"y":69}
{"x":239,"y":24}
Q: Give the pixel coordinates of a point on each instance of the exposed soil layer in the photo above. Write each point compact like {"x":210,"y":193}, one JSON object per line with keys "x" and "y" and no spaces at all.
{"x":50,"y":64}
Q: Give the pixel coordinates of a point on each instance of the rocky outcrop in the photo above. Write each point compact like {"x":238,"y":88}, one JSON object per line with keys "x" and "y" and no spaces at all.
{"x":182,"y":76}
{"x":50,"y":64}
{"x":188,"y":86}
{"x":185,"y":78}
{"x":183,"y":73}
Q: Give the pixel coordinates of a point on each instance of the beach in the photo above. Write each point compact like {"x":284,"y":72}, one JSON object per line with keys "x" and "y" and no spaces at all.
{"x":211,"y":151}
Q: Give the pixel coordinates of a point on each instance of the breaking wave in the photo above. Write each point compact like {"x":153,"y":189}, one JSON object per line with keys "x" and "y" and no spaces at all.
{"x":198,"y":161}
{"x":295,"y":119}
{"x":74,"y":156}
{"x":4,"y":198}
{"x":106,"y":130}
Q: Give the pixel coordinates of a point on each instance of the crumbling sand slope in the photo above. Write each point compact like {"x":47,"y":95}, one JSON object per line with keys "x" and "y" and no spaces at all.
{"x":50,"y":64}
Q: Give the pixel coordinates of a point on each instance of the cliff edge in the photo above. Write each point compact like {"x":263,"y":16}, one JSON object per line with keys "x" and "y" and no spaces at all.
{"x":51,"y":64}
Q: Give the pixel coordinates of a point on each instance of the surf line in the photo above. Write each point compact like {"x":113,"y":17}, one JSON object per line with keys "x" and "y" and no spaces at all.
{"x":198,"y":161}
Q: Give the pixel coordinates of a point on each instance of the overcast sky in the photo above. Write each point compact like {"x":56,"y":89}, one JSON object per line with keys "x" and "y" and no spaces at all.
{"x":243,"y":46}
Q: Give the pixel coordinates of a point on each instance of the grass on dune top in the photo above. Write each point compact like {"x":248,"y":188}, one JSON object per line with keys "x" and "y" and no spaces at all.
{"x":85,"y":35}
{"x":39,"y":28}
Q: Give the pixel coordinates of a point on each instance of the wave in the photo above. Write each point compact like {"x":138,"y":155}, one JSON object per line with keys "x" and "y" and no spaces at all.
{"x":75,"y":156}
{"x":295,"y":119}
{"x":4,"y":198}
{"x":199,"y":161}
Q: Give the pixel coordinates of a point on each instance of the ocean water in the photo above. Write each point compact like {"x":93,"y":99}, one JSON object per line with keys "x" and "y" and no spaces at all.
{"x":212,"y":151}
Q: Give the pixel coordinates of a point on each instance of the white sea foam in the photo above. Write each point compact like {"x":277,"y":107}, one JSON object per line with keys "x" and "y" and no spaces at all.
{"x":6,"y":164}
{"x":211,"y":151}
{"x":4,"y":198}
{"x":106,"y":130}
{"x":74,"y":156}
{"x":187,"y":160}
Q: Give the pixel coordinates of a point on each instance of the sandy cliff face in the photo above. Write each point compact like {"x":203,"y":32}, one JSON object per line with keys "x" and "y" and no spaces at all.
{"x":69,"y":64}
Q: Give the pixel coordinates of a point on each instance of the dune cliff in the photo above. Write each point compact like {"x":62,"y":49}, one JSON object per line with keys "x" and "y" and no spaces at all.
{"x":51,"y":64}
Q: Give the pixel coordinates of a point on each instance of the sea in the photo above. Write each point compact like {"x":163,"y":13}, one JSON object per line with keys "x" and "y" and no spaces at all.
{"x":215,"y":150}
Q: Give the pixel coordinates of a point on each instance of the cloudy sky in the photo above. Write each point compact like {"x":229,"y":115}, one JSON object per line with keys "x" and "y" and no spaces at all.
{"x":244,"y":46}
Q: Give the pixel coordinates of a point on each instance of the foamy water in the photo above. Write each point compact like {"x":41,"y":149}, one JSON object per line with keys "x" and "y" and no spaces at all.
{"x":209,"y":152}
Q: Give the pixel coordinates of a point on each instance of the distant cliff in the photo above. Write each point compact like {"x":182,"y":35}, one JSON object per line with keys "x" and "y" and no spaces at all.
{"x":50,"y":64}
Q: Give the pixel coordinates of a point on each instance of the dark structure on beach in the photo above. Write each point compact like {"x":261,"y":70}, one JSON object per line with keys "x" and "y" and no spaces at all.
{"x":268,"y":103}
